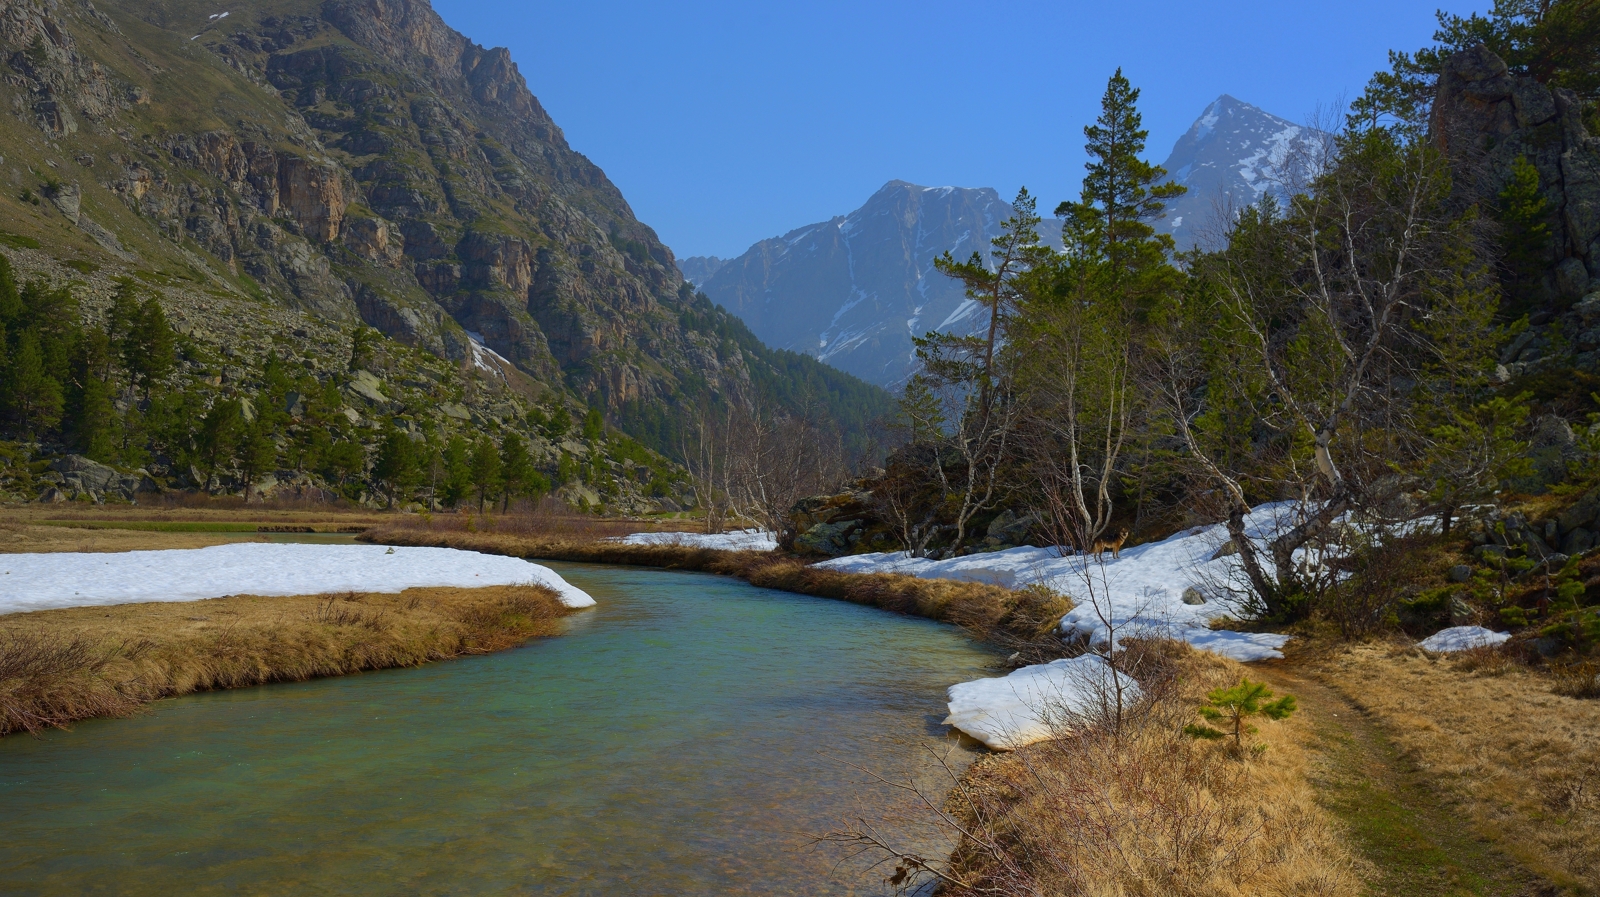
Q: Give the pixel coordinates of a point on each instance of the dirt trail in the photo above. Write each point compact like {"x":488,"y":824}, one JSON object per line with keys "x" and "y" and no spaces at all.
{"x":1417,"y":843}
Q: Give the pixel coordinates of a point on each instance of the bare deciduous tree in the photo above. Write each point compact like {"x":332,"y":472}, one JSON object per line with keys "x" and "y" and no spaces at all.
{"x":750,"y":464}
{"x":1307,"y":346}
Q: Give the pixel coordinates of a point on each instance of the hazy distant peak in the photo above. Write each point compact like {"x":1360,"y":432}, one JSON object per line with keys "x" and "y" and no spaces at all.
{"x":697,"y":269}
{"x":854,"y":290}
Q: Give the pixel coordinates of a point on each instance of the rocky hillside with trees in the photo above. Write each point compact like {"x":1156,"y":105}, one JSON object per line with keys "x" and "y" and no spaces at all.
{"x":348,"y":203}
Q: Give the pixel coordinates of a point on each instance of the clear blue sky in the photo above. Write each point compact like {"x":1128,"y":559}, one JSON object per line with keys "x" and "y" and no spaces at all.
{"x":727,"y":122}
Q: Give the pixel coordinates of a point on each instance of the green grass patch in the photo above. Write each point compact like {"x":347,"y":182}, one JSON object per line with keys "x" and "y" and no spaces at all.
{"x":17,"y":241}
{"x":1418,"y":845}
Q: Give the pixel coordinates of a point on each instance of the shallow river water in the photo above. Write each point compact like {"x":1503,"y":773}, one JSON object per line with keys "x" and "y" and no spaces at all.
{"x":686,"y":736}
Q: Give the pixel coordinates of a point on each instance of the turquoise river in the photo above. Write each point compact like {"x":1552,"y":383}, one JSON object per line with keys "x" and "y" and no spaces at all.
{"x":688,"y":736}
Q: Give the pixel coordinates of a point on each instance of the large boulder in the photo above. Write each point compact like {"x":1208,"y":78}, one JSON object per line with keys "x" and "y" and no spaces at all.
{"x":83,"y":476}
{"x":1551,"y":449}
{"x":817,"y":509}
{"x":831,"y":539}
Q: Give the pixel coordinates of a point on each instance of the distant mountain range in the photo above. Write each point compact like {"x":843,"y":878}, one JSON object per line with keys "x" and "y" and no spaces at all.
{"x":853,"y":291}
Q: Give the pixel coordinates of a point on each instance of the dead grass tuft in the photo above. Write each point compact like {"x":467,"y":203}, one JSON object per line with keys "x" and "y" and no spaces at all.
{"x":50,"y":678}
{"x":1579,"y":679}
{"x":1484,"y":660}
{"x":58,"y":666}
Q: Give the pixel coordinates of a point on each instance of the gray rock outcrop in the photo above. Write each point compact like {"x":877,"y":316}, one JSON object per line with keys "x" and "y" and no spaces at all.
{"x":82,"y":477}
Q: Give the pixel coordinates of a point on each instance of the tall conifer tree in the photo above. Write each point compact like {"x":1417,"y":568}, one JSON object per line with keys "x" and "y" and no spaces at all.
{"x":1122,"y":193}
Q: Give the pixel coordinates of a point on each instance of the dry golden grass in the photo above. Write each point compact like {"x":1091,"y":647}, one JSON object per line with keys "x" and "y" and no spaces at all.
{"x":18,"y":538}
{"x":1019,"y":620}
{"x":1520,"y":760}
{"x":322,"y":516}
{"x":1145,"y":811}
{"x":57,"y":666}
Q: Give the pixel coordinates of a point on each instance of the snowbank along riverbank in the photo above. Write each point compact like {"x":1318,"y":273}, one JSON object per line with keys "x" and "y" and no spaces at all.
{"x":30,"y":582}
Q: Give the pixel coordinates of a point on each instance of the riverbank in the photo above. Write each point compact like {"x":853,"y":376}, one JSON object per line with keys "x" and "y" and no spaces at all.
{"x":1019,"y":620}
{"x":61,"y":666}
{"x":1278,"y":822}
{"x":1143,"y":808}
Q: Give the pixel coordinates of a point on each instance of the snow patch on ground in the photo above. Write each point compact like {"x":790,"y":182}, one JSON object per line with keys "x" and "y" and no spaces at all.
{"x":1463,"y":638}
{"x":1036,"y":702}
{"x":738,"y":540}
{"x":30,"y":582}
{"x":1140,"y":593}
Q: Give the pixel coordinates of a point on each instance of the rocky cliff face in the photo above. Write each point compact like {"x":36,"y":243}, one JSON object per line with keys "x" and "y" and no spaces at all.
{"x":1484,"y":118}
{"x":854,"y":290}
{"x":356,"y":160}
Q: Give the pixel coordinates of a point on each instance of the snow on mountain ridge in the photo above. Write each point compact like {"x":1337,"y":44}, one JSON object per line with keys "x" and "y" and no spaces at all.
{"x":854,"y":290}
{"x":1233,"y":155}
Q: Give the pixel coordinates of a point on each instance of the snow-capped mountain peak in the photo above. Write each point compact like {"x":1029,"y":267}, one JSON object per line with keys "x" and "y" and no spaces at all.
{"x":1232,"y":156}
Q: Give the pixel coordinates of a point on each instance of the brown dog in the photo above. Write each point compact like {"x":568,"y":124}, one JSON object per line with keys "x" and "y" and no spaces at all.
{"x":1103,"y":545}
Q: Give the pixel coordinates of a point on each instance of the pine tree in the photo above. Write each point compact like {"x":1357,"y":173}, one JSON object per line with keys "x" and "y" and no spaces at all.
{"x":361,"y":342}
{"x":1524,"y":216}
{"x":92,"y":418}
{"x":124,"y":315}
{"x":993,"y":283}
{"x":486,"y":469}
{"x":51,"y":314}
{"x":1122,"y":193}
{"x":594,"y":425}
{"x":309,"y":446}
{"x":398,"y":467}
{"x":456,"y":469}
{"x":32,"y":396}
{"x":217,"y":438}
{"x":165,"y":426}
{"x":516,"y":470}
{"x":345,"y":460}
{"x":10,"y":300}
{"x":560,"y":423}
{"x":149,"y":351}
{"x":921,"y":415}
{"x":258,"y":454}
{"x":1232,"y":706}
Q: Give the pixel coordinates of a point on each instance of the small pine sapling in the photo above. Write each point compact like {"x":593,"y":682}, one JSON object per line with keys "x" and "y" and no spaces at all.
{"x":1232,"y":706}
{"x":1568,"y":584}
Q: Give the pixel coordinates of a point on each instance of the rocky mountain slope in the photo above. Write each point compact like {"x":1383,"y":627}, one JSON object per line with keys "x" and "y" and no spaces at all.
{"x":852,"y":291}
{"x":1232,"y":156}
{"x":353,"y":162}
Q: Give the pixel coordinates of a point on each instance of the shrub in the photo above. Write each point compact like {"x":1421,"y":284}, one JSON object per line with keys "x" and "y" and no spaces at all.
{"x":1580,"y":679}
